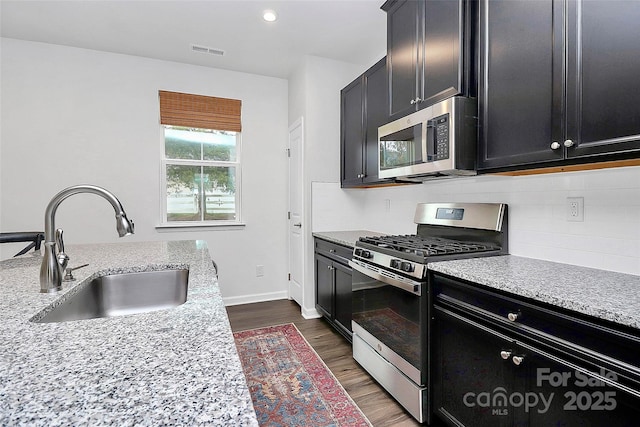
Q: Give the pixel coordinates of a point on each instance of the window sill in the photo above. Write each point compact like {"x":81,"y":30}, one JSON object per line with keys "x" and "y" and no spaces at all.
{"x":164,"y":228}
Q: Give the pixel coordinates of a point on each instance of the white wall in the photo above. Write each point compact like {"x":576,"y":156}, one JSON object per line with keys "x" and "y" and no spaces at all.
{"x":72,"y":116}
{"x":314,"y":94}
{"x":609,"y":237}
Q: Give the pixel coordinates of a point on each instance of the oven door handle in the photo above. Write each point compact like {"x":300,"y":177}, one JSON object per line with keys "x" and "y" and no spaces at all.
{"x":409,"y":286}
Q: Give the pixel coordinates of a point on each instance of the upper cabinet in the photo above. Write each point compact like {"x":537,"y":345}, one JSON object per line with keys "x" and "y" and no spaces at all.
{"x":363,"y":109}
{"x":428,"y":52}
{"x":558,"y":82}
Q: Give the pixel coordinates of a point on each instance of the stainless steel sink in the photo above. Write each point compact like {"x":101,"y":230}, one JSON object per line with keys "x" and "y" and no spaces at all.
{"x":121,"y":294}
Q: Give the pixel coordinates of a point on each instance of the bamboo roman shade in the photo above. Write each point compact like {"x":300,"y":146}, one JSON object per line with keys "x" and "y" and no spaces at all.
{"x":207,"y":112}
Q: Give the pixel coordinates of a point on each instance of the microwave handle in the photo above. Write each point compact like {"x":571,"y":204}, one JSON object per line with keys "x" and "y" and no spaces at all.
{"x":429,"y":148}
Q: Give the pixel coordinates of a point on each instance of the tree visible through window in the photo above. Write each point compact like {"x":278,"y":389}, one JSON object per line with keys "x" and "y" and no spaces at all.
{"x":201,"y":169}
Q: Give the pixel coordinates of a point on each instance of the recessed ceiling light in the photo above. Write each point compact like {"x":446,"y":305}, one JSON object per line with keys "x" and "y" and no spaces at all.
{"x":269,"y":15}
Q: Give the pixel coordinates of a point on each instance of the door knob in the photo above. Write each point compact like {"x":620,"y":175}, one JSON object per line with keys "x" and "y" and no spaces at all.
{"x":568,"y":143}
{"x":555,"y":145}
{"x":505,"y":354}
{"x":517,"y":360}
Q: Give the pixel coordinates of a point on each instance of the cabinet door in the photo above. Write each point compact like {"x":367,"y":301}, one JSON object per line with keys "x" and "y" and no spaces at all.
{"x":351,"y":141}
{"x":443,"y":41}
{"x":404,"y":21}
{"x":376,"y":114}
{"x":561,"y":393}
{"x":521,"y":82}
{"x":343,"y":307}
{"x":603,"y":89}
{"x":467,"y":367}
{"x":324,"y":286}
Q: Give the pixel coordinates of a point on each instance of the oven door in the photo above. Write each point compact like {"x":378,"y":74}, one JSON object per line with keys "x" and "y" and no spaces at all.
{"x":390,"y":314}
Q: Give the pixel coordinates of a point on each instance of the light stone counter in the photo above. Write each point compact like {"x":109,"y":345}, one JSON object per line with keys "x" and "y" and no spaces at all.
{"x":603,"y":294}
{"x":346,"y":238}
{"x":173,"y":367}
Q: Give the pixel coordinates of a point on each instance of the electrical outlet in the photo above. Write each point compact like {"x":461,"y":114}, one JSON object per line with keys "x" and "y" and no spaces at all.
{"x":575,"y":208}
{"x":259,"y":270}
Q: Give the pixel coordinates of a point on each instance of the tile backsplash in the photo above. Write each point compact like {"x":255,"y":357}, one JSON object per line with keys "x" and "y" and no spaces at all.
{"x":608,"y":238}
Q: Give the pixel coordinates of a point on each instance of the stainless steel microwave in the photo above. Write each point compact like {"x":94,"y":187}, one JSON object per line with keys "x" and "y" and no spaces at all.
{"x":437,"y":141}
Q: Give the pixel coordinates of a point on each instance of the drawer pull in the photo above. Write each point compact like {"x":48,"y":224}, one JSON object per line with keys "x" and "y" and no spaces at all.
{"x":505,"y":354}
{"x":333,"y":251}
{"x":517,"y":360}
{"x":512,"y":316}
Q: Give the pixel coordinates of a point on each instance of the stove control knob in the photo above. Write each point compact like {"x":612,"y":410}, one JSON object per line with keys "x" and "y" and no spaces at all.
{"x":357,"y":252}
{"x":366,"y":254}
{"x":406,"y":266}
{"x":395,"y":263}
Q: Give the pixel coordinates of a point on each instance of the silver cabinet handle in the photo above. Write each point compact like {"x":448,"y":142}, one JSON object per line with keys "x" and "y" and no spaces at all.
{"x":517,"y":360}
{"x":416,"y":101}
{"x":555,"y":145}
{"x":298,"y":225}
{"x":512,"y":316}
{"x":505,"y":354}
{"x":568,"y":143}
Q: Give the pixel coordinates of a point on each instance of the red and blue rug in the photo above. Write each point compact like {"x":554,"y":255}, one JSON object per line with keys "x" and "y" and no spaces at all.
{"x":289,"y":383}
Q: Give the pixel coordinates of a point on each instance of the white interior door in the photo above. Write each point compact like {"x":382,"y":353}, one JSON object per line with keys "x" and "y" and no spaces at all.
{"x":296,"y":226}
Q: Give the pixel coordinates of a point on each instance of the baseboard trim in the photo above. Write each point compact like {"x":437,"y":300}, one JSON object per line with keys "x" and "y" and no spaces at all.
{"x":310,"y":313}
{"x":249,"y":299}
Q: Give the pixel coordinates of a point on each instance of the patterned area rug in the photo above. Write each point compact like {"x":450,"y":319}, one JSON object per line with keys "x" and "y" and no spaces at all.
{"x":289,"y":383}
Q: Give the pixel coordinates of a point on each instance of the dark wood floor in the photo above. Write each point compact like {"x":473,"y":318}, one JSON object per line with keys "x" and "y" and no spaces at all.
{"x":379,"y":407}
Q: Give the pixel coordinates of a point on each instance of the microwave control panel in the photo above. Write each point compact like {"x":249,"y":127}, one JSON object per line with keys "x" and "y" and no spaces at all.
{"x":441,"y":137}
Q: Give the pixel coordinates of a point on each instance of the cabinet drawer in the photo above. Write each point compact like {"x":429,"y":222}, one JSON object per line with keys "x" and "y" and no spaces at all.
{"x":614,"y":347}
{"x":339,"y":253}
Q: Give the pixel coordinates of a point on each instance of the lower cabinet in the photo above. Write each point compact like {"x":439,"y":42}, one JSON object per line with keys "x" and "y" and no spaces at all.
{"x":333,"y":285}
{"x":494,"y":370}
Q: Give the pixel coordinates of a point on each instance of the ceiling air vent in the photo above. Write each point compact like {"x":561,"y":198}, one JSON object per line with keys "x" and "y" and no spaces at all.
{"x":205,"y":49}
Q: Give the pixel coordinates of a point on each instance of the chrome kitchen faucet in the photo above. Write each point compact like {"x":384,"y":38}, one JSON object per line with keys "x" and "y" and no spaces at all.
{"x":54,"y":260}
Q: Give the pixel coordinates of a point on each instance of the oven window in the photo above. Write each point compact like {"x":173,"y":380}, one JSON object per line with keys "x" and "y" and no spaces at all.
{"x":402,"y":148}
{"x":390,"y":314}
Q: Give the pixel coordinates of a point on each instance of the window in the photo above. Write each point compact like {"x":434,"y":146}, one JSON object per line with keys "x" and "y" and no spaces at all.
{"x":201,"y":159}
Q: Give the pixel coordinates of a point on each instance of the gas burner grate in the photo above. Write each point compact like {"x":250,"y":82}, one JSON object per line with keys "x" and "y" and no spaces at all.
{"x":425,"y":246}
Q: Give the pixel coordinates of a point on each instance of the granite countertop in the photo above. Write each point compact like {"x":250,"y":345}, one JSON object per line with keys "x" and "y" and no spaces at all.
{"x":346,"y":238}
{"x":603,"y":294}
{"x":177,"y":366}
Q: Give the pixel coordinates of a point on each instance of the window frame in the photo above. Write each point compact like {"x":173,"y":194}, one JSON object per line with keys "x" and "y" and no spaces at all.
{"x":164,"y":162}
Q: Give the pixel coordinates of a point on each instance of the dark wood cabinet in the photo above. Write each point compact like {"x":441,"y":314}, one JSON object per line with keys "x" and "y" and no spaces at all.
{"x":333,"y":284}
{"x":429,"y":52}
{"x":352,"y":130}
{"x":324,"y":285}
{"x":504,"y":361}
{"x":603,"y":89}
{"x":556,"y":83}
{"x":363,"y":109}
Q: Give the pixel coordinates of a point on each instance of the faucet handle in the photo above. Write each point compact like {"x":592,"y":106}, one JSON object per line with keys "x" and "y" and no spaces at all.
{"x":62,"y":257}
{"x":59,"y":240}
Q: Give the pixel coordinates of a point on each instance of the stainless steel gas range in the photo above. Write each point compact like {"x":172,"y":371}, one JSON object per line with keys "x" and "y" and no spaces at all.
{"x":391,"y":298}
